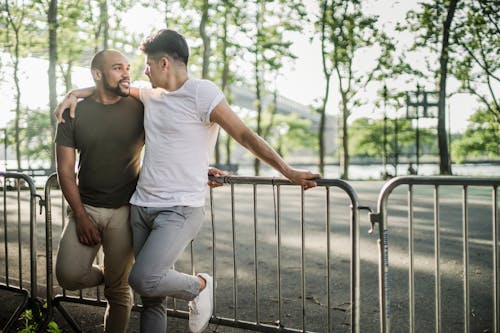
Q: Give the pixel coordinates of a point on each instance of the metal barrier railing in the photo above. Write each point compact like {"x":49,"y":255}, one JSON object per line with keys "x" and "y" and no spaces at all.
{"x":18,"y":188}
{"x":299,"y":307}
{"x":282,"y":322}
{"x":437,"y":197}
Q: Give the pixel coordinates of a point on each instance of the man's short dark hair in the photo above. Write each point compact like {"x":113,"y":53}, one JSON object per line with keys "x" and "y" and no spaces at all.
{"x":97,"y":60}
{"x":166,"y":41}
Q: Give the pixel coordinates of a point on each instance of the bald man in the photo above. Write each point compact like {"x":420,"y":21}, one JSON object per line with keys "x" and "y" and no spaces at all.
{"x":108,"y":134}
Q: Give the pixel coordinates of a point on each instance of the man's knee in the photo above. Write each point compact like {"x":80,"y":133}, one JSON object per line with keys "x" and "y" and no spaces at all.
{"x":141,"y":284}
{"x":68,"y":279}
{"x":71,"y":278}
{"x":119,"y":295}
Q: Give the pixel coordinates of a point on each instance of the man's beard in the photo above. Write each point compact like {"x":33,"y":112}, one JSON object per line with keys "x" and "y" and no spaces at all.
{"x":116,"y":89}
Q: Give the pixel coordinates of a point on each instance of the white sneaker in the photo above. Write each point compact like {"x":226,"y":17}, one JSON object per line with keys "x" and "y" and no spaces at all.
{"x":200,"y":308}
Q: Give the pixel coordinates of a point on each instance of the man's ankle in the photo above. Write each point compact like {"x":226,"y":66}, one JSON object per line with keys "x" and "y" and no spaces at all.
{"x":203,"y":282}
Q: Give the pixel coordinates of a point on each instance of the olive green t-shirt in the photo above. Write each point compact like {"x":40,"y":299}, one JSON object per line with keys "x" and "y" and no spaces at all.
{"x":109,"y":140}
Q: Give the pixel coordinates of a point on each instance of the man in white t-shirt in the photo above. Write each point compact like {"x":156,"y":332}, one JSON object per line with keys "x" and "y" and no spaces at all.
{"x":181,"y":121}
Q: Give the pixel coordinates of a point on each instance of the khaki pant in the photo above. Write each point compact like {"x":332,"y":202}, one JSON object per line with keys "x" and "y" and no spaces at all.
{"x":75,"y":269}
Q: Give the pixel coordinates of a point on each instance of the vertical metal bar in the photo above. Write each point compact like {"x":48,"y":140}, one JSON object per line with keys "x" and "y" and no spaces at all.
{"x":496,"y":264}
{"x":411,"y":251}
{"x":98,"y":261}
{"x":19,"y":235}
{"x":278,"y":226}
{"x":48,"y":249}
{"x":437,"y":276}
{"x":328,"y":249}
{"x":383,"y":247}
{"x":33,"y":241}
{"x":235,"y":271}
{"x":5,"y":235}
{"x":214,"y":261}
{"x":174,"y":300}
{"x":302,"y":259}
{"x":355,"y":264}
{"x":255,"y":254}
{"x":191,"y":258}
{"x":63,"y":224}
{"x":466,"y":260}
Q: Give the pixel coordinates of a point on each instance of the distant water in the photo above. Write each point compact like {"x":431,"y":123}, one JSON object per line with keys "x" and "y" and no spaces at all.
{"x":375,"y":171}
{"x":360,"y":172}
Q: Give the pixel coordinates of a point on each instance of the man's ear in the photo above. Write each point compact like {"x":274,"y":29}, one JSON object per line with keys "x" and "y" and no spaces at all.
{"x":164,"y":63}
{"x":96,"y":74}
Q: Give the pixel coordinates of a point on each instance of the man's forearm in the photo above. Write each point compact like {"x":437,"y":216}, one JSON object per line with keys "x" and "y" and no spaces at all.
{"x":82,"y":92}
{"x":262,"y":150}
{"x":71,"y":192}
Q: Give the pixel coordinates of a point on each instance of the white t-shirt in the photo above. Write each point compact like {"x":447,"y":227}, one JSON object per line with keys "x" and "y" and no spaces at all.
{"x":179,"y":142}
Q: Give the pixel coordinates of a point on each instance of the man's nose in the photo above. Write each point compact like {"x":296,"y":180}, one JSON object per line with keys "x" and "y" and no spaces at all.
{"x":126,"y":72}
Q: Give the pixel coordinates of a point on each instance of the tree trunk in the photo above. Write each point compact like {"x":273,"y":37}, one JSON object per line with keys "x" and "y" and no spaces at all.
{"x":258,"y":96}
{"x":327,"y":74}
{"x":344,"y":153}
{"x":258,"y":106}
{"x":444,"y":155}
{"x":16,"y":28}
{"x":166,"y":13}
{"x":321,"y":130}
{"x":18,"y":100}
{"x":205,"y":39}
{"x":52,"y":21}
{"x":104,"y":23}
{"x":224,"y":80}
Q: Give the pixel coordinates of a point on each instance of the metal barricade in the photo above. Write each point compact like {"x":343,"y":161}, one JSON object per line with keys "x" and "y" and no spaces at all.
{"x":18,"y":197}
{"x":283,"y":260}
{"x":283,"y":267}
{"x":443,"y":221}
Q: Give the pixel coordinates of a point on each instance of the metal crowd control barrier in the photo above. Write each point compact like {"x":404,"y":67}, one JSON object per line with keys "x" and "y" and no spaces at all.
{"x":321,"y":286}
{"x":18,"y":188}
{"x":263,"y":238}
{"x":469,"y":233}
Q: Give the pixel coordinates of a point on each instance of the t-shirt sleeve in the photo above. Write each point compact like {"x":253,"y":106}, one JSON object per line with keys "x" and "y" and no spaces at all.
{"x":64,"y":132}
{"x":208,"y":96}
{"x":149,"y":96}
{"x":144,"y":94}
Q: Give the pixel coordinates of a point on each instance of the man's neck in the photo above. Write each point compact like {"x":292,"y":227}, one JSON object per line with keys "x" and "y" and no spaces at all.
{"x":104,"y":97}
{"x":175,"y":82}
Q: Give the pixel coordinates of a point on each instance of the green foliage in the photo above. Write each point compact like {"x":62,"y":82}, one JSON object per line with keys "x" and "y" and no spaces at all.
{"x":347,"y":33}
{"x":31,"y":319}
{"x":481,"y":138}
{"x":288,"y":133}
{"x":367,"y":138}
{"x":476,"y":61}
{"x":291,"y":133}
{"x":34,"y":134}
{"x":473,"y":50}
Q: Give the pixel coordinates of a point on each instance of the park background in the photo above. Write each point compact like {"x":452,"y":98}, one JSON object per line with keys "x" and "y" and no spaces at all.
{"x":334,"y":86}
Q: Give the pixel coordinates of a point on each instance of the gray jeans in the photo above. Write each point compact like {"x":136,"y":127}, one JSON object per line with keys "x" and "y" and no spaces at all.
{"x":160,"y":235}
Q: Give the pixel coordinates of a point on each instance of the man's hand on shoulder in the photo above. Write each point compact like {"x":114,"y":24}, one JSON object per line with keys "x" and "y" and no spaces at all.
{"x":69,"y":102}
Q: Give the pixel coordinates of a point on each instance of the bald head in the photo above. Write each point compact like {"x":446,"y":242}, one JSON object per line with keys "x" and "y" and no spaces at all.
{"x":99,"y":59}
